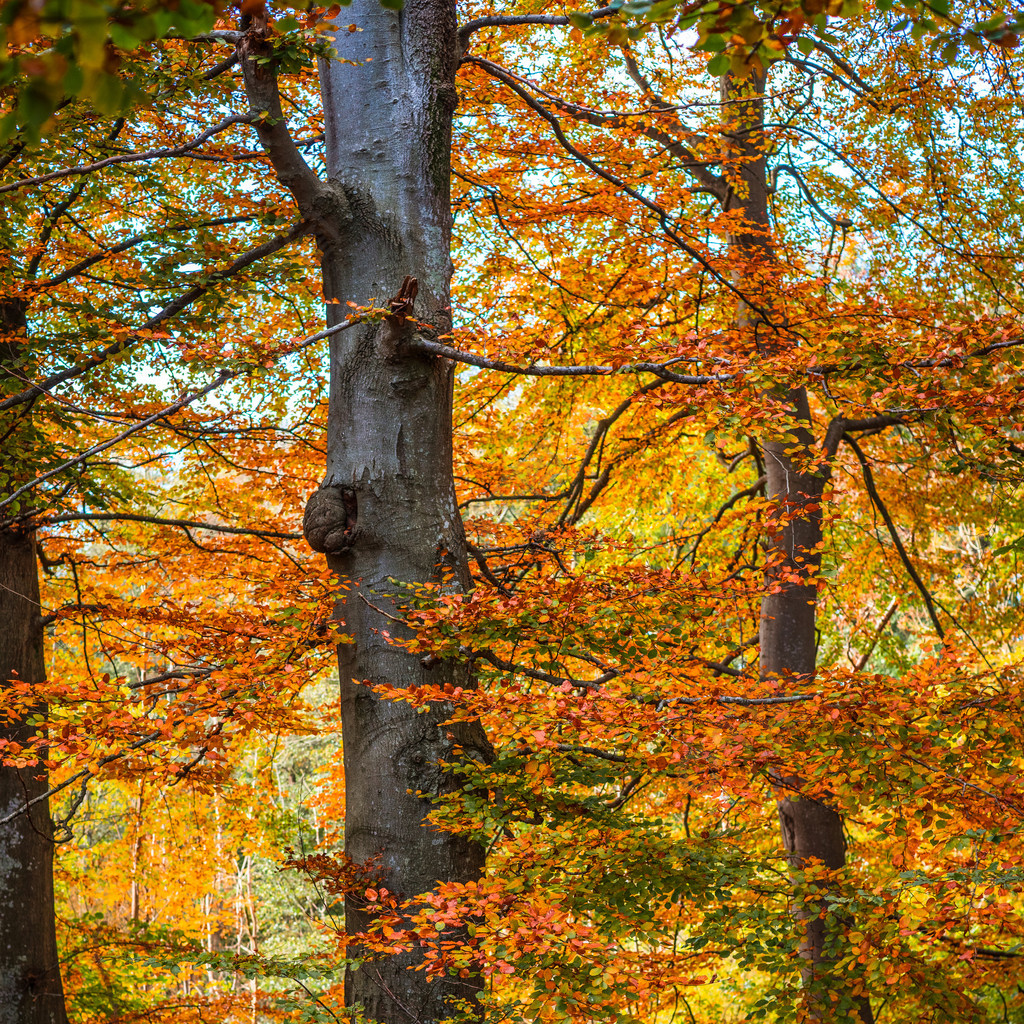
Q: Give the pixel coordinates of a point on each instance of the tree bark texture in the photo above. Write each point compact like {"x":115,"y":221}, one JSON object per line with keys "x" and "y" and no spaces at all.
{"x":386,"y":514}
{"x":811,"y":829}
{"x":30,"y":981}
{"x":388,"y":126}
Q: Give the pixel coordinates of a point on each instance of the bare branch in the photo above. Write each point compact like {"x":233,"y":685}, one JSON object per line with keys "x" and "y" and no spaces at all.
{"x":133,"y":240}
{"x":839,"y":427}
{"x":544,"y":677}
{"x":78,"y":776}
{"x":174,"y":673}
{"x":866,"y":656}
{"x":748,"y":492}
{"x":661,"y":370}
{"x":612,"y":673}
{"x":174,"y":307}
{"x":222,"y":378}
{"x":319,"y":202}
{"x":187,"y":524}
{"x":869,"y":483}
{"x":102,"y":446}
{"x":126,"y":158}
{"x":501,"y":20}
{"x":664,"y":217}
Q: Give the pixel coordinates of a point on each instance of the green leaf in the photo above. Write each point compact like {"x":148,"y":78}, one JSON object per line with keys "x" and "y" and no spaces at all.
{"x":123,"y":37}
{"x":805,"y":45}
{"x":107,"y":95}
{"x":8,"y":126}
{"x":719,"y":64}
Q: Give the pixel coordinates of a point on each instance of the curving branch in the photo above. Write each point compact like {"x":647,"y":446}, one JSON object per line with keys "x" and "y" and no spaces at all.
{"x":127,"y":158}
{"x":576,"y":506}
{"x":421,"y":344}
{"x":222,"y":377}
{"x":877,"y":634}
{"x":321,"y":203}
{"x":501,"y":20}
{"x":174,"y":307}
{"x":840,"y":427}
{"x":709,"y":182}
{"x":665,"y":219}
{"x":869,"y":483}
{"x":836,"y":222}
{"x":184,"y":524}
{"x":757,"y":487}
{"x":133,"y":240}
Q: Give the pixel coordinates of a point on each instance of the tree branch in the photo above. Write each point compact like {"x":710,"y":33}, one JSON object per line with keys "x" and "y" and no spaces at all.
{"x":839,"y":427}
{"x":321,"y":203}
{"x":174,"y":307}
{"x":866,"y":656}
{"x":422,"y":344}
{"x":747,"y":492}
{"x":713,"y":183}
{"x":187,"y":524}
{"x":222,"y":378}
{"x":501,"y":20}
{"x":78,"y":776}
{"x":102,"y":446}
{"x":869,"y":483}
{"x":125,"y":158}
{"x":134,"y":240}
{"x":664,"y":218}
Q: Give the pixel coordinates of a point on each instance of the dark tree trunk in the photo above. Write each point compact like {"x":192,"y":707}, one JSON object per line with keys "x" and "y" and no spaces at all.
{"x":30,"y":983}
{"x":386,"y":514}
{"x":811,"y":829}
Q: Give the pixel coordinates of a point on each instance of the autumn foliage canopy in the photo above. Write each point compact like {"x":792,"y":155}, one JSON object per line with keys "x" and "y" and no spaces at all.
{"x":707,"y":704}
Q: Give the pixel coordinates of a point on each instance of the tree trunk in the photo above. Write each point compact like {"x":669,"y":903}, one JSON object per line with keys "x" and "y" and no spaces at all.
{"x":811,"y":829}
{"x":388,"y":125}
{"x":386,"y":513}
{"x":30,"y":983}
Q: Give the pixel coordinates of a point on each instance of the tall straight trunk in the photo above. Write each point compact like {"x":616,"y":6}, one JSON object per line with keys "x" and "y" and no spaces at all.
{"x":386,"y":513}
{"x":30,"y":983}
{"x":811,"y":829}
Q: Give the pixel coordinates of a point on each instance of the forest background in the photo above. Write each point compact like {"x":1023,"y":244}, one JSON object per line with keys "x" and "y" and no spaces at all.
{"x":736,"y":436}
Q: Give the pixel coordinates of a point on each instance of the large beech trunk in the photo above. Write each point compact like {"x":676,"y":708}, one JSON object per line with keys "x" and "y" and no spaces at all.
{"x":386,"y":514}
{"x":388,"y":125}
{"x":811,"y":830}
{"x":30,"y":983}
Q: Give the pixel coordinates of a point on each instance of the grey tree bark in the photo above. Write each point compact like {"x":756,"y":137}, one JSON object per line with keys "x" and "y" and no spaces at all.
{"x":30,"y":983}
{"x":811,"y":829}
{"x":386,"y":513}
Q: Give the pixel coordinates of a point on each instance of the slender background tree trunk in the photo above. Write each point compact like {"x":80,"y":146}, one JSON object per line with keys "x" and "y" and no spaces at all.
{"x":30,"y":982}
{"x":811,"y":829}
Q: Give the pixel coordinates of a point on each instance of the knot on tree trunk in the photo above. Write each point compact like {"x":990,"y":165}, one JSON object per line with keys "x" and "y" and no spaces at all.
{"x":329,"y":523}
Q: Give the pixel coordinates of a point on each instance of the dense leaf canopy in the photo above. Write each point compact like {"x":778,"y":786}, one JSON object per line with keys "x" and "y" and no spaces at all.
{"x":631,"y":347}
